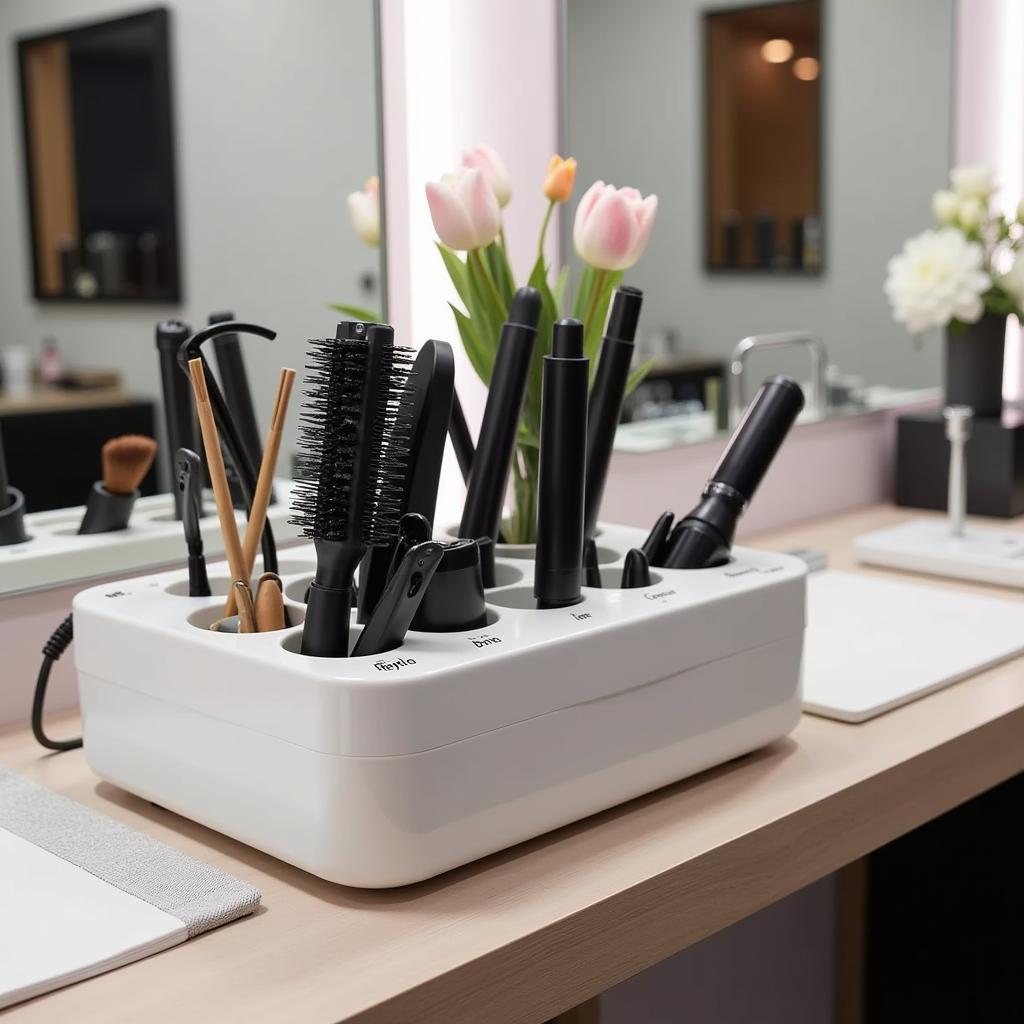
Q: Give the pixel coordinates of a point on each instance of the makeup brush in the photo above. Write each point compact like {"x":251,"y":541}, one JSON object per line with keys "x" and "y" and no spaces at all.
{"x":265,"y":481}
{"x":352,"y":468}
{"x":126,"y":461}
{"x":219,"y":482}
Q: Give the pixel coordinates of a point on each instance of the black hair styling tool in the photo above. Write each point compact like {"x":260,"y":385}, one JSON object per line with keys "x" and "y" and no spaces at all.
{"x":454,"y":601}
{"x":353,"y":446}
{"x":591,"y":569}
{"x":462,"y":439}
{"x":607,"y":393}
{"x":431,"y":386}
{"x":654,"y":546}
{"x":12,"y":507}
{"x":704,"y":538}
{"x":413,"y":529}
{"x":487,"y":571}
{"x":488,"y":477}
{"x":188,"y":482}
{"x":562,"y":469}
{"x":177,"y":392}
{"x":636,"y":570}
{"x":191,"y":349}
{"x":400,"y":601}
{"x":235,"y":383}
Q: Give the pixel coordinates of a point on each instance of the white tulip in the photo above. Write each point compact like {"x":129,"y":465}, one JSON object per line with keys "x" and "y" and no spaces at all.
{"x":945,"y":206}
{"x":973,"y":182}
{"x":971,"y":213}
{"x":937,"y":276}
{"x":364,"y":212}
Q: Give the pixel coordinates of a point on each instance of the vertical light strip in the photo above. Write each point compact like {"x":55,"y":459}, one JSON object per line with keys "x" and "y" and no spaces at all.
{"x":1010,"y":167}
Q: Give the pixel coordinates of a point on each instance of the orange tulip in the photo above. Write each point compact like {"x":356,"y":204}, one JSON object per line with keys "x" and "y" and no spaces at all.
{"x":561,"y":175}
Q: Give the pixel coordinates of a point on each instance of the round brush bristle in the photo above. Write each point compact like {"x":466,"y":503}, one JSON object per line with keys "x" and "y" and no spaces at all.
{"x":126,"y":460}
{"x":343,"y":464}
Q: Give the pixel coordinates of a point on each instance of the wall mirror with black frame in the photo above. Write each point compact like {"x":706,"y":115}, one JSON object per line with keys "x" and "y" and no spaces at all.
{"x":248,"y":127}
{"x":99,"y":159}
{"x":794,"y":145}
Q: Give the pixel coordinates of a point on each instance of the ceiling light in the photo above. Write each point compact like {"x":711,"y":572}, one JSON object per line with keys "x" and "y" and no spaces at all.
{"x":806,"y":69}
{"x":777,"y":51}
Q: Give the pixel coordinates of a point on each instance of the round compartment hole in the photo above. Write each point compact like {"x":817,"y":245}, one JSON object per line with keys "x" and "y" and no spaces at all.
{"x":522,"y":597}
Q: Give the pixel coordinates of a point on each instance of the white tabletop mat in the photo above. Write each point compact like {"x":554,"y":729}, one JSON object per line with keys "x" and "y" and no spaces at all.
{"x":874,"y":644}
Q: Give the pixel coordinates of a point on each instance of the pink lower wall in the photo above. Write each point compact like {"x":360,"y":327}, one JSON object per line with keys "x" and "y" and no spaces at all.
{"x":823,"y":469}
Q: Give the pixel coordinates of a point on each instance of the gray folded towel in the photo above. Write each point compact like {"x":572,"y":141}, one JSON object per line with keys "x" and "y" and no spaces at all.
{"x":200,"y":896}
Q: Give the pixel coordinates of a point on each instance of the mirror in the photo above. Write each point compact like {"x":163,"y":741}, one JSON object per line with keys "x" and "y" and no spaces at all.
{"x":762,"y":143}
{"x":271,"y":121}
{"x":784,"y":188}
{"x":99,"y":160}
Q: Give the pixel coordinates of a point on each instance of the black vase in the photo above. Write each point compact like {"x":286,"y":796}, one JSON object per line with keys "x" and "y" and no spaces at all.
{"x":974,"y":365}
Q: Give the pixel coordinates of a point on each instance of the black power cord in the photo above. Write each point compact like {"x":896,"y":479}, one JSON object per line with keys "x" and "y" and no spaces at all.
{"x":52,"y":650}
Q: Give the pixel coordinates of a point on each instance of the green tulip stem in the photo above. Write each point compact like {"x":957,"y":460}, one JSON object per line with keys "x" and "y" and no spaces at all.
{"x":474,"y":254}
{"x":595,"y":297}
{"x":544,"y":229}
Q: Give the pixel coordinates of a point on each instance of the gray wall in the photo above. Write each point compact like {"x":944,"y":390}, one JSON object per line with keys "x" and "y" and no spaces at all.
{"x":275,"y":123}
{"x":634,"y":81}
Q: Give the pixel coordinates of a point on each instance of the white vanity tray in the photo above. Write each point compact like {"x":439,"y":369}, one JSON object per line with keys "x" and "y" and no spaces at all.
{"x":57,"y":554}
{"x":381,"y":771}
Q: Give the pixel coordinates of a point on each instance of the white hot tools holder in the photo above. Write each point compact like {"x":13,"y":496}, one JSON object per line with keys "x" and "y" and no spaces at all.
{"x":381,"y":771}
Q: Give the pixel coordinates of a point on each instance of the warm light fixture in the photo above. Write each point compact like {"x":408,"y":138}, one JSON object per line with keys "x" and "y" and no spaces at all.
{"x":806,"y":69}
{"x":777,"y":51}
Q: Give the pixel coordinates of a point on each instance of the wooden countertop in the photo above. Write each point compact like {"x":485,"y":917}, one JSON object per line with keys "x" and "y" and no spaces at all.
{"x":62,"y":399}
{"x":527,"y":933}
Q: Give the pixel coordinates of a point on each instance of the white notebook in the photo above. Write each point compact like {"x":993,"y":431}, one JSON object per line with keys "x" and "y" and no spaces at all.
{"x":873,"y":644}
{"x":81,"y":894}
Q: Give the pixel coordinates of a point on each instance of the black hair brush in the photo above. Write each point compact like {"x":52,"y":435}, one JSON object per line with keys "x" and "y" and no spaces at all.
{"x":352,"y":467}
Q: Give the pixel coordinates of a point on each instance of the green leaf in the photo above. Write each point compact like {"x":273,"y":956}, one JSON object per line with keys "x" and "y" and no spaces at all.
{"x":637,"y":376}
{"x":560,"y":286}
{"x":482,"y":306}
{"x":456,"y":271}
{"x":501,"y":272}
{"x":367,"y":316}
{"x":548,"y":316}
{"x":481,"y":359}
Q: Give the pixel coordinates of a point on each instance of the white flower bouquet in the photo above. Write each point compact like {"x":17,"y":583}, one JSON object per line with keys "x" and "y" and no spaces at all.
{"x":969,"y":265}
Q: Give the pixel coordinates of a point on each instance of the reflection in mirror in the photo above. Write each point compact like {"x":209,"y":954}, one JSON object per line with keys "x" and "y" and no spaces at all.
{"x":775,"y":218}
{"x":762,"y":142}
{"x":274,"y":145}
{"x":100,"y":160}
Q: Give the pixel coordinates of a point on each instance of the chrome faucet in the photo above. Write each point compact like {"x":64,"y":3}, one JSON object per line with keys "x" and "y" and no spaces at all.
{"x":819,"y":360}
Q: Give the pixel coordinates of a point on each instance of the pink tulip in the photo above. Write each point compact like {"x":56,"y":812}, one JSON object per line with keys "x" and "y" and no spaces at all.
{"x":484,"y":158}
{"x":464,"y":209}
{"x":364,"y":211}
{"x":613,"y":226}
